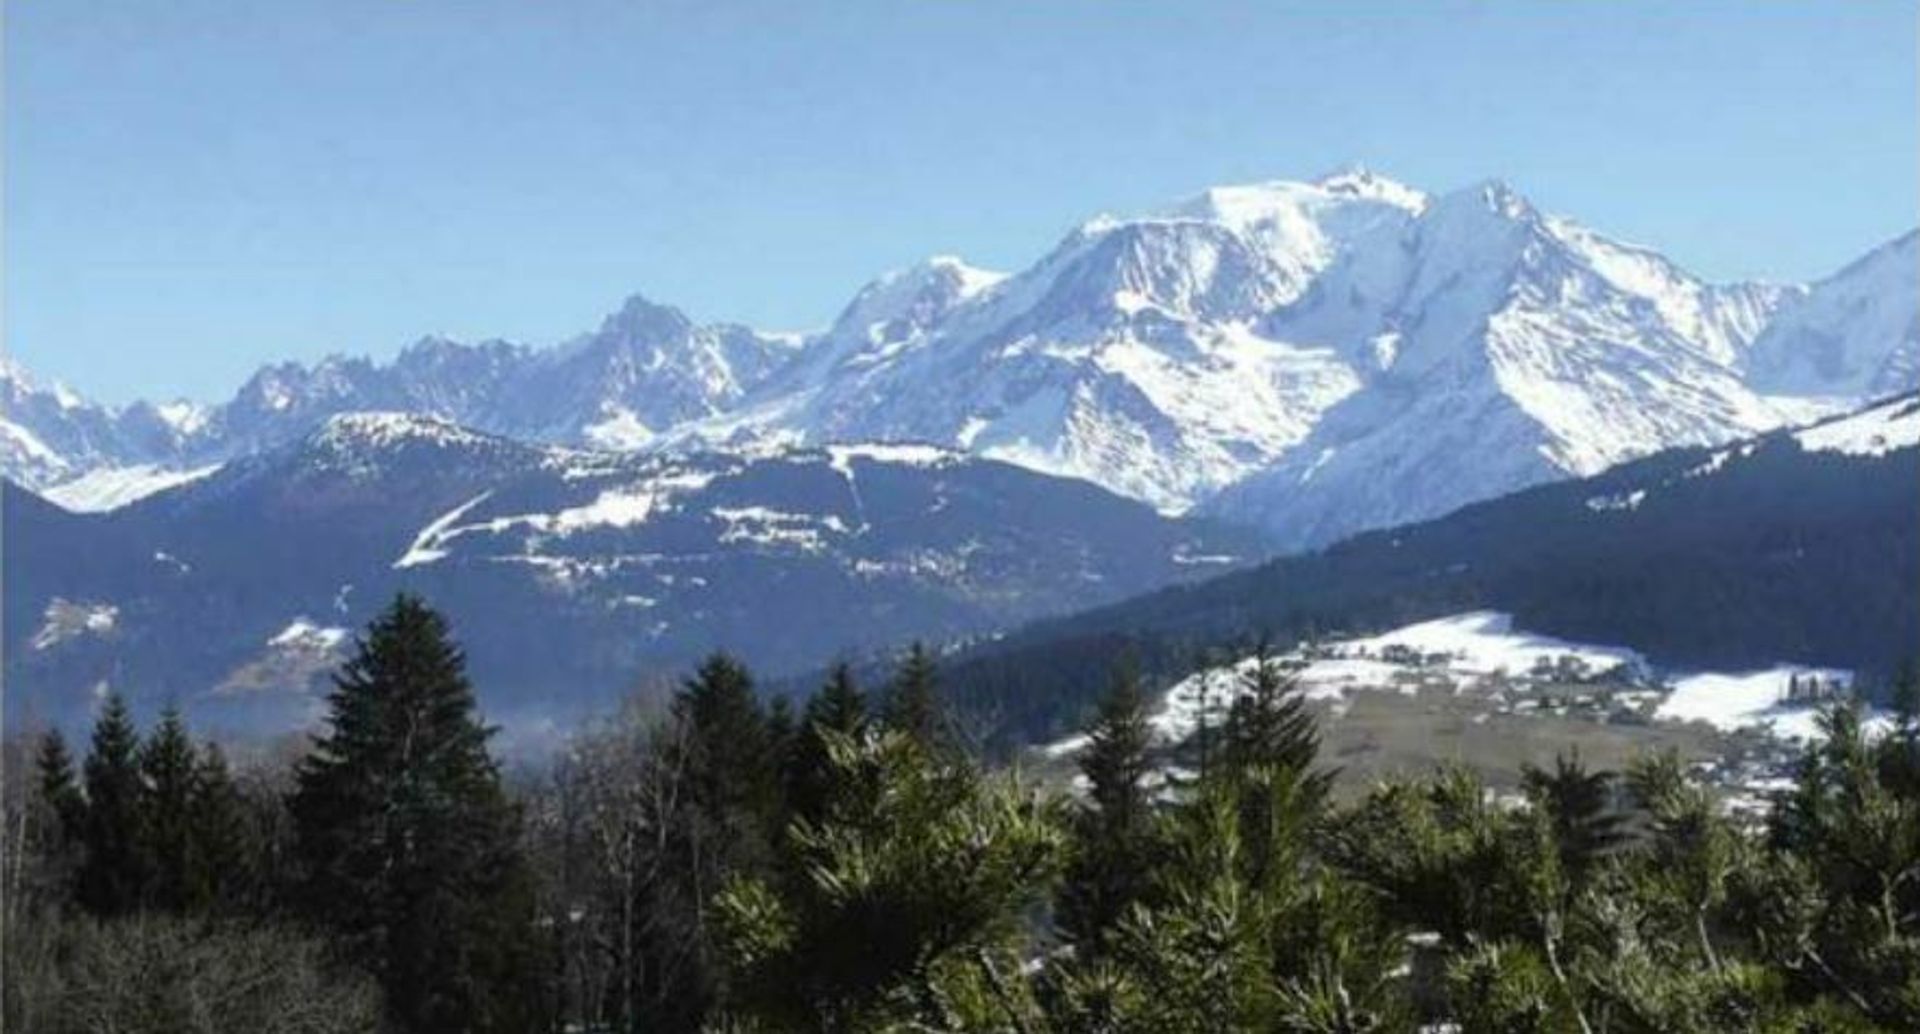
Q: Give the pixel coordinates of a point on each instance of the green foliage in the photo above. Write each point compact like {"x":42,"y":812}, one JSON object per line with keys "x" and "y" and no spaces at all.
{"x":178,"y":876}
{"x":114,"y":873}
{"x":839,"y":708}
{"x":913,"y":699}
{"x":906,"y":902}
{"x":407,"y":840}
{"x":735,"y":866}
{"x":1114,"y":832}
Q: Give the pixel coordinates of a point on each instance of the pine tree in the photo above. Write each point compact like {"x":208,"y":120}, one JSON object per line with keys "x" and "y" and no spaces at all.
{"x":60,"y":818}
{"x":913,"y":702}
{"x":1268,"y":723}
{"x":1579,"y":804}
{"x":839,"y":708}
{"x":57,"y":787}
{"x":220,"y":833}
{"x":1115,"y":850}
{"x":731,"y":762}
{"x":167,"y":770}
{"x":408,"y":842}
{"x":114,"y":871}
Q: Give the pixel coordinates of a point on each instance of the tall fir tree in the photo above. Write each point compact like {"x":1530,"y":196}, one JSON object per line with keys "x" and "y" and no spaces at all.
{"x":731,"y":762}
{"x":114,"y":871}
{"x":1115,"y":848}
{"x":60,"y":817}
{"x":54,"y":766}
{"x":175,"y":873}
{"x":408,"y":842}
{"x":913,"y":699}
{"x":221,"y":837}
{"x":838,"y":708}
{"x":1268,"y":723}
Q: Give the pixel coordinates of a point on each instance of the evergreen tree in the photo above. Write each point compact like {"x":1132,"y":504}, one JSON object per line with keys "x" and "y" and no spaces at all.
{"x":913,"y":702}
{"x":903,"y":909}
{"x":408,"y":842}
{"x":1579,"y":804}
{"x":1268,"y":723}
{"x":731,"y":763}
{"x":58,"y":790}
{"x":838,"y":708}
{"x":176,"y":874}
{"x":60,"y":817}
{"x":1114,"y":844}
{"x":220,"y":833}
{"x":114,"y":871}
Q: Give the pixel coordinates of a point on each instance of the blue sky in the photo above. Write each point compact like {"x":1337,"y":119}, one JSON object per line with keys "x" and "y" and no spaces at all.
{"x":194,"y":187}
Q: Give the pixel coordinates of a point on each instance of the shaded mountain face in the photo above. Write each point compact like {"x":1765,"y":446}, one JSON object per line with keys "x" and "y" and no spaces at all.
{"x":1314,"y":358}
{"x":1792,"y":547}
{"x":236,"y":593}
{"x":1855,"y":333}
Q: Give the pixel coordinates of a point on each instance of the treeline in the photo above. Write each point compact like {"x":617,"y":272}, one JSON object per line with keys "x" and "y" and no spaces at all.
{"x":730,"y":864}
{"x":1782,"y":555}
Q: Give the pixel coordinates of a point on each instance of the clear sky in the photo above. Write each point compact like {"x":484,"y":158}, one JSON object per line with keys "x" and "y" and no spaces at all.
{"x":195,"y":187}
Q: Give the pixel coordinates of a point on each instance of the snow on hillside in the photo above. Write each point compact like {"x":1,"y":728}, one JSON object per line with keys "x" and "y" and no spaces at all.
{"x":109,"y":488}
{"x":1872,"y":432}
{"x":1482,"y":652}
{"x":1754,"y":698}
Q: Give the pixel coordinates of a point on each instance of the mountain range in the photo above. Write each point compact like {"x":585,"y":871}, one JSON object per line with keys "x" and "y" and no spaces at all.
{"x":1278,"y":368}
{"x":572,"y":574}
{"x":1315,"y":358}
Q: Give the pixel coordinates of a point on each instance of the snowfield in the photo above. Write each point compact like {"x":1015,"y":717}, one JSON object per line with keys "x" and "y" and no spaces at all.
{"x":1473,"y":651}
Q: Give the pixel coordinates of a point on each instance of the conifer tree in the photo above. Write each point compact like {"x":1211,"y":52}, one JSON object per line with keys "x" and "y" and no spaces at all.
{"x":167,"y":774}
{"x":1114,"y":845}
{"x":408,"y":842}
{"x":61,"y":815}
{"x":913,"y":702}
{"x":114,"y":871}
{"x":220,"y":833}
{"x":1268,"y":723}
{"x":54,"y":766}
{"x":731,"y":762}
{"x":838,"y":708}
{"x":1579,"y":804}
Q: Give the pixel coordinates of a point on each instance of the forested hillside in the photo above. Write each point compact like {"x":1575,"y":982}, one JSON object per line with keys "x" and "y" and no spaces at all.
{"x":726,"y":864}
{"x":1744,"y":556}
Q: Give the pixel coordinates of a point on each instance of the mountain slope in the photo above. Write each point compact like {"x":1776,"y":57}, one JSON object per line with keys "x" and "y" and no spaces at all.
{"x":1317,"y":358}
{"x":1791,"y":547}
{"x":1856,"y":333}
{"x":628,"y":565}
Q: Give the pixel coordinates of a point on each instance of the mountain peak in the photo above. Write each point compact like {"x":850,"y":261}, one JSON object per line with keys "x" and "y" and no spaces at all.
{"x":1359,"y":181}
{"x":385,"y":428}
{"x":640,"y":316}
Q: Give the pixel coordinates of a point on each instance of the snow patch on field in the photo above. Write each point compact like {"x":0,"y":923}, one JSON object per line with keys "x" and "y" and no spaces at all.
{"x":1485,"y":641}
{"x":1754,"y":698}
{"x":1478,"y":649}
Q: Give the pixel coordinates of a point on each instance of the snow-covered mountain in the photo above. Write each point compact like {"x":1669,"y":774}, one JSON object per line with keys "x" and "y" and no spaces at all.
{"x":1855,"y":334}
{"x":647,"y":367}
{"x":1316,"y":358}
{"x":224,"y":592}
{"x":1503,"y":348}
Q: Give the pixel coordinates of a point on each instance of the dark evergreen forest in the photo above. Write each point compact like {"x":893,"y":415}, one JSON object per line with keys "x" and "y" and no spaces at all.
{"x":737,"y":861}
